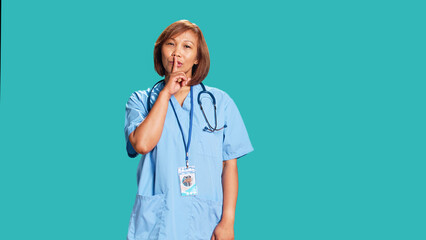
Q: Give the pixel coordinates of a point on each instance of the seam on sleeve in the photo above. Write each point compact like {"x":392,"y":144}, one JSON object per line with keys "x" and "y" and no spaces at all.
{"x":238,"y":154}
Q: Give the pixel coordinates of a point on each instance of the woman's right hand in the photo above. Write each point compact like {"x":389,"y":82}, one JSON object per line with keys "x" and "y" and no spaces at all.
{"x":175,"y":80}
{"x":146,"y":136}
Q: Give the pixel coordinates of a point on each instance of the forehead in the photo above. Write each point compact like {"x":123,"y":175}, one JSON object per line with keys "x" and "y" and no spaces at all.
{"x":186,"y":36}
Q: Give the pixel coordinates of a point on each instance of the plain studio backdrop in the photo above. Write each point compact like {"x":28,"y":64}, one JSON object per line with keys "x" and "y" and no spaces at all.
{"x":332,"y":94}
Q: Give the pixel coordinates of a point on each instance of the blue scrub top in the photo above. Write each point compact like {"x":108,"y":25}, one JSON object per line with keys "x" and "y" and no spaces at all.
{"x":159,"y":211}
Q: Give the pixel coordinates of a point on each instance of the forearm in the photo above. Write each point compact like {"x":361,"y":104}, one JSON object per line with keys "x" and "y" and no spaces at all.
{"x":230,"y":190}
{"x":148,"y":133}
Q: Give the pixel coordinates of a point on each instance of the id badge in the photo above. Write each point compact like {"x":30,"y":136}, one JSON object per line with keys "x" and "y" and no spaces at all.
{"x":187,"y":181}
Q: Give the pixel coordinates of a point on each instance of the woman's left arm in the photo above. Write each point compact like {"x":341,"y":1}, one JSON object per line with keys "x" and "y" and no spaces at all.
{"x":225,"y":229}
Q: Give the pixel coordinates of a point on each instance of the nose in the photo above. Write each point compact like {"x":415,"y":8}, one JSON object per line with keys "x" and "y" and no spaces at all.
{"x":174,"y":54}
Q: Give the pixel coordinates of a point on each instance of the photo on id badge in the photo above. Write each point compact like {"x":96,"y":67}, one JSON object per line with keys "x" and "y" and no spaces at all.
{"x":188,"y":185}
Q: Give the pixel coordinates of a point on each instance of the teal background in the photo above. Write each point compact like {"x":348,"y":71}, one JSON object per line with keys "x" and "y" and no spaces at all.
{"x":332,"y":94}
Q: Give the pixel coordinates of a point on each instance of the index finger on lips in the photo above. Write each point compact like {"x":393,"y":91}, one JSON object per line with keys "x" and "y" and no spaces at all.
{"x":174,"y":66}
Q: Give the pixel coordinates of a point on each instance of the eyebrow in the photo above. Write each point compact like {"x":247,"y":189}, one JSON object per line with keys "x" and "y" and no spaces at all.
{"x":183,"y":40}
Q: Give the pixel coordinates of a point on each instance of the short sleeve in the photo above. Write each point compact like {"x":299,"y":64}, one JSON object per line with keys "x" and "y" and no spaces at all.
{"x":136,"y":112}
{"x":236,"y":142}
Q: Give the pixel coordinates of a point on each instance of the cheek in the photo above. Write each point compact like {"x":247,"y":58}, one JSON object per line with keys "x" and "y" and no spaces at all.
{"x":164,"y":57}
{"x":165,"y":53}
{"x":194,"y":56}
{"x":191,"y":57}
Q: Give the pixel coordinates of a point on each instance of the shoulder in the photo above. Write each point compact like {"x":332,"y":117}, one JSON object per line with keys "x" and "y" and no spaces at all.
{"x":222,"y":98}
{"x":142,"y":95}
{"x":138,"y":96}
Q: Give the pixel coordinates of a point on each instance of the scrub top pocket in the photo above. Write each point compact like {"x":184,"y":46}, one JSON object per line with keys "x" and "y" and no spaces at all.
{"x":147,"y":217}
{"x":211,"y":142}
{"x":206,"y":214}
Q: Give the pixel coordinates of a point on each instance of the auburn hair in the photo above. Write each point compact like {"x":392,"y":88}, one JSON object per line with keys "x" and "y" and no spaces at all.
{"x":200,"y":70}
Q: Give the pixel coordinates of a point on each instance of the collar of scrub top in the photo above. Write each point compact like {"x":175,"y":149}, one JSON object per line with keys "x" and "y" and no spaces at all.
{"x":191,"y":116}
{"x":207,"y":129}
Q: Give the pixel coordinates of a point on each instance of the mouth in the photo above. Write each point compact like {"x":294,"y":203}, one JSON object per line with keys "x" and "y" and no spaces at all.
{"x":179,"y":63}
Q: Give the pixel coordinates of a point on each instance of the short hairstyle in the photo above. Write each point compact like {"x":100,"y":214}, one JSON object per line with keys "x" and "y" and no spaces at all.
{"x":200,"y":70}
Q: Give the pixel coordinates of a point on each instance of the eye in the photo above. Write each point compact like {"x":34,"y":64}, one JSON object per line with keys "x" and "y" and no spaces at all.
{"x":187,"y":46}
{"x":169,"y":43}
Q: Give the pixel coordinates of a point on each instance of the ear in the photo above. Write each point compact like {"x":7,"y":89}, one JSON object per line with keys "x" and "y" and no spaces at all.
{"x":196,"y":62}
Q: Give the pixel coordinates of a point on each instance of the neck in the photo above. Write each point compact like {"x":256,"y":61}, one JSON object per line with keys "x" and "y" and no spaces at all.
{"x":182,"y":94}
{"x":183,"y":91}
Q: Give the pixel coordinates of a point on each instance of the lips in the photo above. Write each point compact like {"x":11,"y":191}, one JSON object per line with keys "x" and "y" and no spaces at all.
{"x":179,"y":63}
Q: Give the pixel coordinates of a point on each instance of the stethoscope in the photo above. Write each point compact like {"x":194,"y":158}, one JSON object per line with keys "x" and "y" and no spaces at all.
{"x":209,"y":128}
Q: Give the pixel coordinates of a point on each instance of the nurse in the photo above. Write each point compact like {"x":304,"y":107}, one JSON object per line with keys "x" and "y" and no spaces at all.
{"x":187,"y":176}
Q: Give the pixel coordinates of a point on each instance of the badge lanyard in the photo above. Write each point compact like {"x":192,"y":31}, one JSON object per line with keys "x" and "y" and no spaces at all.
{"x":187,"y":174}
{"x":191,"y":116}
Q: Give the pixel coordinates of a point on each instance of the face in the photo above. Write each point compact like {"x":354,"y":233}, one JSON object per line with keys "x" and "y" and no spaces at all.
{"x":184,"y":46}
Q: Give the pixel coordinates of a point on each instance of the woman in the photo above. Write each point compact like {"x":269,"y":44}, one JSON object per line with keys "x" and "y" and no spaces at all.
{"x":187,"y":176}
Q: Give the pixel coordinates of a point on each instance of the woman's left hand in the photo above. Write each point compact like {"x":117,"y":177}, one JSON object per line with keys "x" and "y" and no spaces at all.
{"x":223,"y":231}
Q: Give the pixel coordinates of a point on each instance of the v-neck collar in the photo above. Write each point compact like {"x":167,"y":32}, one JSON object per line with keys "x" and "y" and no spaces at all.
{"x":186,"y":106}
